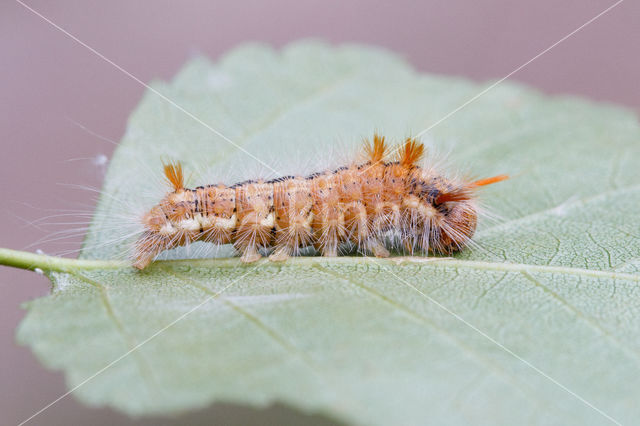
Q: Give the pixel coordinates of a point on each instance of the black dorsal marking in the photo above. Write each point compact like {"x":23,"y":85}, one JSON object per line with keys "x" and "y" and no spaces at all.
{"x":244,"y":182}
{"x":281,"y":179}
{"x":314,"y":175}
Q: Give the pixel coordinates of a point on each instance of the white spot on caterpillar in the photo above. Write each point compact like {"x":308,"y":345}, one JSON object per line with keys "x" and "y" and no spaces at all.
{"x":204,"y":221}
{"x":268,"y":221}
{"x":189,"y":225}
{"x":227,"y":223}
{"x":167,"y":229}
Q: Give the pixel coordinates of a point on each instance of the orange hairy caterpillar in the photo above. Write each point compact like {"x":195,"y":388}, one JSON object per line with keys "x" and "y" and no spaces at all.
{"x":361,"y":203}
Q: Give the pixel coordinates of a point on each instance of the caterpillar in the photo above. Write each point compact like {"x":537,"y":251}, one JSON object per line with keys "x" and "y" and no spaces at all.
{"x":372,"y":204}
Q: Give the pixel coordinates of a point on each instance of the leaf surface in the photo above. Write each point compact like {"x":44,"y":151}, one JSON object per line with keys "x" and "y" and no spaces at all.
{"x":539,"y":325}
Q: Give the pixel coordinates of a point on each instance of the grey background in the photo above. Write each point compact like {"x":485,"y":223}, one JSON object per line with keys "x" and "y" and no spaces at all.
{"x":50,"y":86}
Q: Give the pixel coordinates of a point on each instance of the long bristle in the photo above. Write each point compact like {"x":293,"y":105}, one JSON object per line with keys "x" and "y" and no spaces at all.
{"x":173,"y":173}
{"x":411,"y":152}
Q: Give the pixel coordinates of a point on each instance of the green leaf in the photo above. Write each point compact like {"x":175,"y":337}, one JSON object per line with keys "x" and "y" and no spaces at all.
{"x":540,"y":325}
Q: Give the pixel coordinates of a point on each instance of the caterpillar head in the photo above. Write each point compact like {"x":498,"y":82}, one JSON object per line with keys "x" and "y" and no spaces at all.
{"x":160,"y":222}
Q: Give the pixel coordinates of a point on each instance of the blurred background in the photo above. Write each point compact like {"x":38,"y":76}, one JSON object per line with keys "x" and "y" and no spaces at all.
{"x":60,"y":104}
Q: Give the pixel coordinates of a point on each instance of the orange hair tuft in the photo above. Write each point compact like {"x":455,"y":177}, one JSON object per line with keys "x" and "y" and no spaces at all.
{"x":464,"y":193}
{"x":488,"y":181}
{"x":173,"y":173}
{"x":377,"y":151}
{"x":411,"y":152}
{"x":455,"y":196}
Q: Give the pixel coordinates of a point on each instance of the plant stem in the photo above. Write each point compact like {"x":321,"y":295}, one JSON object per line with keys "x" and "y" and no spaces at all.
{"x":32,"y":261}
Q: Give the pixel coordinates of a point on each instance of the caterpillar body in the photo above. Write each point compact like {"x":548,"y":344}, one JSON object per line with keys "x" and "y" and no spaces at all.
{"x":363,"y":203}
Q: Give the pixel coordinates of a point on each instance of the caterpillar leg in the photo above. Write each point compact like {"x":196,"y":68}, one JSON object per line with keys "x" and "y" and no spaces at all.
{"x":408,"y":246}
{"x":142,"y":261}
{"x":251,"y":235}
{"x":281,"y":254}
{"x":356,"y":222}
{"x":254,"y":207}
{"x":375,"y":246}
{"x":250,"y":254}
{"x":331,"y":232}
{"x":330,"y":237}
{"x":330,"y":249}
{"x":147,"y":248}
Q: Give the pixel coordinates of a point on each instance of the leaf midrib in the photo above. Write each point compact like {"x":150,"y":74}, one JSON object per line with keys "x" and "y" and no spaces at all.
{"x":232,"y":262}
{"x":25,"y":260}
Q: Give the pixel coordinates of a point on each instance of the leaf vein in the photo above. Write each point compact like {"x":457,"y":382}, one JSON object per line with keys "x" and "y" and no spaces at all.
{"x":145,"y":369}
{"x":475,"y":355}
{"x":581,"y":315}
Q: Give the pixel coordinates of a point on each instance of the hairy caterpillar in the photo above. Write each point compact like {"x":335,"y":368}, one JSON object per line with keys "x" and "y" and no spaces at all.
{"x":362,"y":203}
